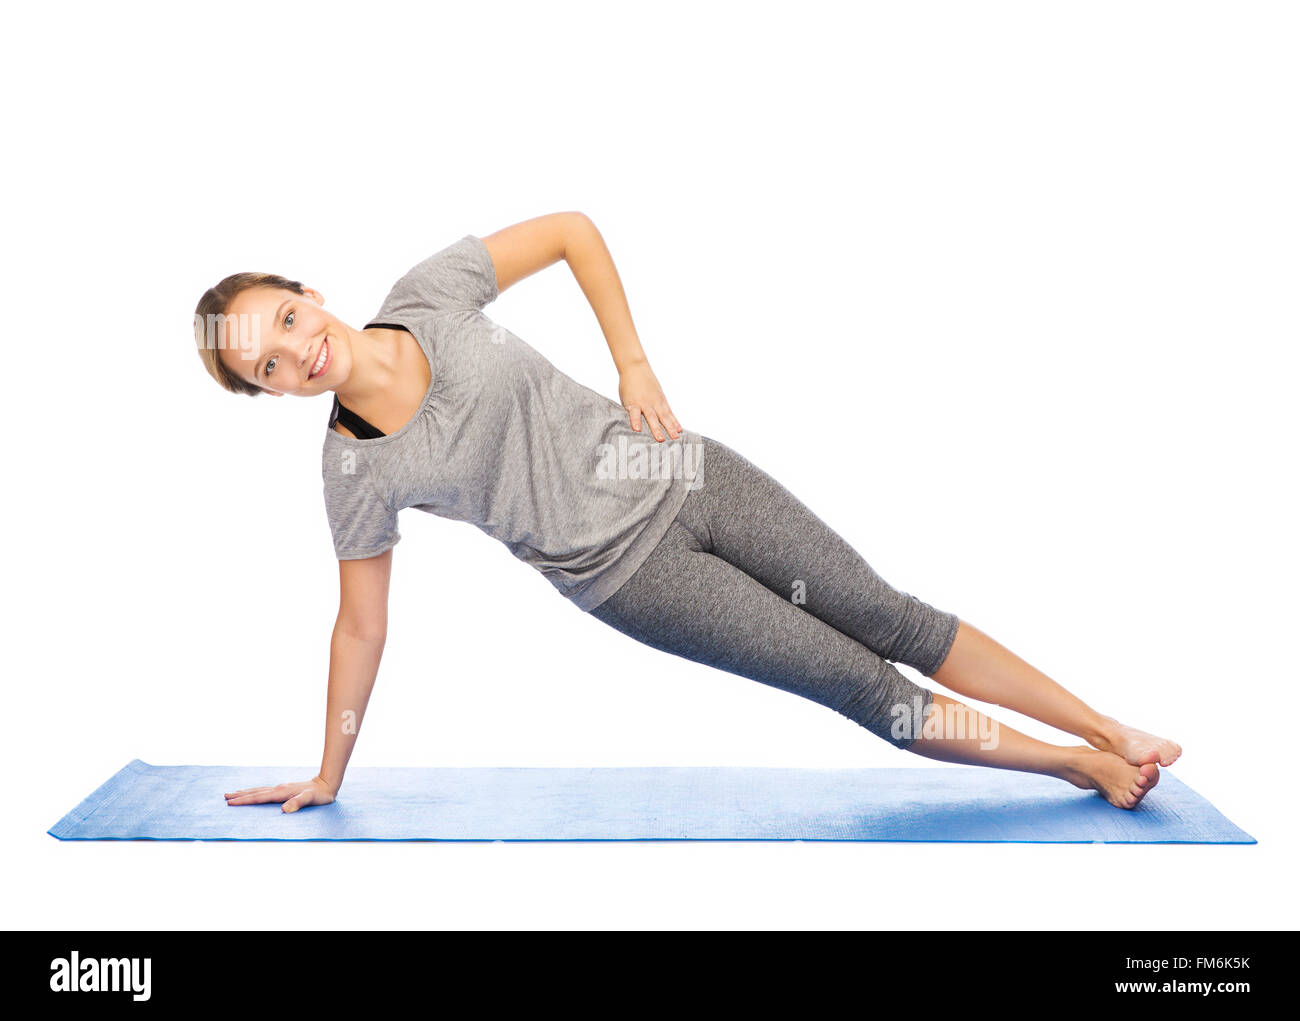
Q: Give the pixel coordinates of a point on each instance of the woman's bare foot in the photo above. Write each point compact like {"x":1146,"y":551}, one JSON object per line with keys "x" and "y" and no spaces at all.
{"x":1134,"y":746}
{"x":1121,"y":783}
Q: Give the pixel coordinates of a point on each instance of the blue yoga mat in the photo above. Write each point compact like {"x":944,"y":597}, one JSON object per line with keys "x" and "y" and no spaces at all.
{"x":144,"y":802}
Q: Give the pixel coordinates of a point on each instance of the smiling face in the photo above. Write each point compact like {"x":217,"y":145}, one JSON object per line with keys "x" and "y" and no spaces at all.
{"x":300,"y":348}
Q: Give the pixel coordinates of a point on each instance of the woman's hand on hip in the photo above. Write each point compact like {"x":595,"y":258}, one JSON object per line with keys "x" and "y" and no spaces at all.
{"x":290,"y":796}
{"x":640,"y":393}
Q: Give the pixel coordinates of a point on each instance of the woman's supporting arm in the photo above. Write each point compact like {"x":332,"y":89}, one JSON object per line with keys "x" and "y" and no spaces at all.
{"x":354,"y":664}
{"x":356,"y":647}
{"x":524,"y":248}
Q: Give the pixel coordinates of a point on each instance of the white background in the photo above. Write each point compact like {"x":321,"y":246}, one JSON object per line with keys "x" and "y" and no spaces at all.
{"x":1006,"y":292}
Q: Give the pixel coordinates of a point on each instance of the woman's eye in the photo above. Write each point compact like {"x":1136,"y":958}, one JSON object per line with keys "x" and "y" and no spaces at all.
{"x":270,"y":364}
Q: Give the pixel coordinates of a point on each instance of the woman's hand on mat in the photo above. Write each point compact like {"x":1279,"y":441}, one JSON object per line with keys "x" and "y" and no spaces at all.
{"x":293,"y":796}
{"x":640,"y":393}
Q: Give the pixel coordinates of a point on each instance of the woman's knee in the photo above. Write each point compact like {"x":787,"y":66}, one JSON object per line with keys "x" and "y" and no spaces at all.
{"x":922,"y":636}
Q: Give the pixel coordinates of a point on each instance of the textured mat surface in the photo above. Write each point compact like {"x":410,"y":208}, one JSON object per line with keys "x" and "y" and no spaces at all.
{"x":144,"y":802}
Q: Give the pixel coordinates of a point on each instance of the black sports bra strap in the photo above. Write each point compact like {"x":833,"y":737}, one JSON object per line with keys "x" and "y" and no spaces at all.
{"x":354,"y":423}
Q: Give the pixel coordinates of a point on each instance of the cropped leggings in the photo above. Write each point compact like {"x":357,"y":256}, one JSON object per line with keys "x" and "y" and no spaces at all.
{"x":748,"y":580}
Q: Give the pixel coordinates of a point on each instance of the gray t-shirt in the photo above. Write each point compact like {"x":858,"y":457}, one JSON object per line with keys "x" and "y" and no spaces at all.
{"x":507,"y":442}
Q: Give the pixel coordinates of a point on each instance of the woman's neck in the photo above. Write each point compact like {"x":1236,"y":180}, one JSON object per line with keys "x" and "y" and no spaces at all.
{"x":388,"y":378}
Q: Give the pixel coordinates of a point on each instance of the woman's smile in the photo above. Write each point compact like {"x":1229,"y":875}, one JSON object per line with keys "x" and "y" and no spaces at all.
{"x":323,"y":360}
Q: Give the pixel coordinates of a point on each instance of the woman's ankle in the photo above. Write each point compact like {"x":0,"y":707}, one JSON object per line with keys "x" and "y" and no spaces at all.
{"x":1101,"y":732}
{"x":1076,"y":765}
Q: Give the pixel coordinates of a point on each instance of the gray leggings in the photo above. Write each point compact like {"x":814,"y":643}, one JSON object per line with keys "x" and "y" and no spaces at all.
{"x":748,"y":580}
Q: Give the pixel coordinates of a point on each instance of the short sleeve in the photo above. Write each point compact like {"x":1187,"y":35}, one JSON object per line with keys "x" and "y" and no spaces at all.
{"x":460,"y":276}
{"x":361,"y":521}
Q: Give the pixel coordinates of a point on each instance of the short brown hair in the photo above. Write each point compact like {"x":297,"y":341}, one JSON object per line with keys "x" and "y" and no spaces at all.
{"x":213,"y":304}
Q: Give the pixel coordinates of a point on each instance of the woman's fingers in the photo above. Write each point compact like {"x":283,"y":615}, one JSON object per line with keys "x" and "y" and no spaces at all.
{"x":655,"y":428}
{"x":291,"y":796}
{"x":660,"y":418}
{"x":254,"y":796}
{"x":670,"y":421}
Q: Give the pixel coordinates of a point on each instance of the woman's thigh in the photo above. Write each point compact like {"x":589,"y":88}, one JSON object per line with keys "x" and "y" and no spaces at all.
{"x":686,"y":601}
{"x":744,"y":516}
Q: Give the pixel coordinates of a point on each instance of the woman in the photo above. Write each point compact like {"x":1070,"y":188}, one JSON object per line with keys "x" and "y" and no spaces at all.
{"x":676,"y":540}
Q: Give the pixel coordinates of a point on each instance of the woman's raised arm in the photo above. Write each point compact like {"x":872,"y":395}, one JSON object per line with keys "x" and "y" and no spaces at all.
{"x":524,"y":248}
